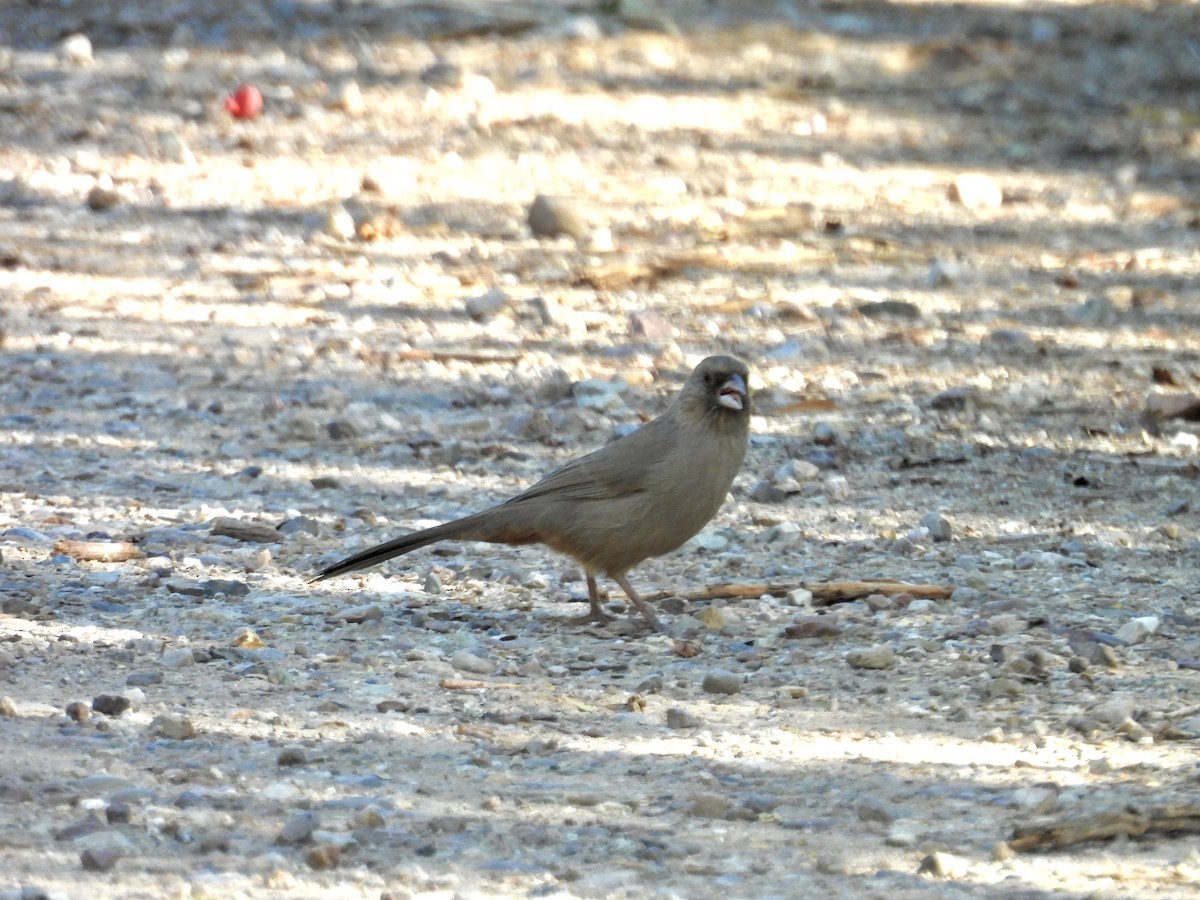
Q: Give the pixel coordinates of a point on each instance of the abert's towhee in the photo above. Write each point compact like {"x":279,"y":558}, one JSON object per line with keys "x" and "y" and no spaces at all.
{"x":642,"y":495}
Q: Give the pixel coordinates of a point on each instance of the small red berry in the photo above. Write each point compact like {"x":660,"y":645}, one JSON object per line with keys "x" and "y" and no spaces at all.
{"x":246,"y":102}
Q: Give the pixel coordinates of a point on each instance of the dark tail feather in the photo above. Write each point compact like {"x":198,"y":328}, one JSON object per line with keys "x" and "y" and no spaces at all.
{"x":372,"y":556}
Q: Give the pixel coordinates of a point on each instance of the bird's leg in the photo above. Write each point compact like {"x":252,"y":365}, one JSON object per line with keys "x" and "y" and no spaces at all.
{"x":650,"y":618}
{"x":595,"y":614}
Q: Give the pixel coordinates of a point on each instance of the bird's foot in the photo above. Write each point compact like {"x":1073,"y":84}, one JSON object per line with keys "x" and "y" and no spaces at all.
{"x":653,"y":622}
{"x":596,"y":616}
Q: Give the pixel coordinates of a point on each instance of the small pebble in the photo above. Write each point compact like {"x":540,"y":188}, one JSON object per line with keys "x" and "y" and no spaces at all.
{"x":824,"y":434}
{"x":356,"y":615}
{"x":943,"y":273}
{"x":872,"y":809}
{"x":650,"y":326}
{"x":1179,"y":507}
{"x":76,"y":49}
{"x":443,"y":74}
{"x":767,"y":492}
{"x":553,"y":217}
{"x":466,"y":661}
{"x":99,"y":859}
{"x":110,"y":704}
{"x":300,"y":525}
{"x":879,"y":656}
{"x":349,"y":99}
{"x":102,"y":198}
{"x":1135,"y":631}
{"x":173,"y":726}
{"x":710,"y":806}
{"x":79,"y":711}
{"x":486,"y":306}
{"x":903,"y":833}
{"x":879,"y":602}
{"x":651,"y":684}
{"x":173,"y":149}
{"x":293,"y":755}
{"x":815,"y":626}
{"x":976,"y":192}
{"x":340,"y":224}
{"x":721,"y":681}
{"x":322,"y":857}
{"x":298,"y":829}
{"x":1114,"y":710}
{"x":943,"y":865}
{"x":677,"y":717}
{"x":177,"y":658}
{"x":799,"y":597}
{"x":8,"y":709}
{"x":939,"y":529}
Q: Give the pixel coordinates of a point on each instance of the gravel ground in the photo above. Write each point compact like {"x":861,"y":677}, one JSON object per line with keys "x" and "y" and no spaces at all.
{"x":957,"y":245}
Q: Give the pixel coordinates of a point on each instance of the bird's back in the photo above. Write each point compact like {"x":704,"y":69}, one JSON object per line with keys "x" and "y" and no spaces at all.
{"x":641,"y":496}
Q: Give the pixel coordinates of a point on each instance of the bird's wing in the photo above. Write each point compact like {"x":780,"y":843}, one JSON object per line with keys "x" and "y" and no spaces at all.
{"x":616,"y":470}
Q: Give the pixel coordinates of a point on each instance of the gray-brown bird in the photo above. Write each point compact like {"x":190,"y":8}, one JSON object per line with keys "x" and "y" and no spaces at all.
{"x":642,"y":495}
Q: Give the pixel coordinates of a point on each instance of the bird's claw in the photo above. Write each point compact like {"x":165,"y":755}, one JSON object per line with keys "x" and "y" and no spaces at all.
{"x":596,"y":616}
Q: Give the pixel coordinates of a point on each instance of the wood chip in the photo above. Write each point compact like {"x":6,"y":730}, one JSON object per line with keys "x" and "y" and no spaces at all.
{"x":240,"y":529}
{"x":1125,"y":820}
{"x":474,"y":684}
{"x":100,"y":551}
{"x":827,"y":592}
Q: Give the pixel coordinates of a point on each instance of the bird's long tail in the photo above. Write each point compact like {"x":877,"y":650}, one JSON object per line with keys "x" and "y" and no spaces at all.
{"x":484,"y":526}
{"x":372,"y":556}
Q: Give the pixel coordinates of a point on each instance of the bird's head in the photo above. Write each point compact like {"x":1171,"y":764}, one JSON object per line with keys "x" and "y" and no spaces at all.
{"x":718,"y":390}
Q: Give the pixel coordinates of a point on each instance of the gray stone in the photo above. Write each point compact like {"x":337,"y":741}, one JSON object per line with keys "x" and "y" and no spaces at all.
{"x":486,"y":306}
{"x":872,"y":809}
{"x":466,"y":661}
{"x":356,"y":615}
{"x":903,"y":833}
{"x":144,"y":679}
{"x":292,"y":755}
{"x":298,"y":829}
{"x":173,"y":726}
{"x":677,"y":717}
{"x":939,"y":528}
{"x":99,"y":859}
{"x":1114,"y":711}
{"x":721,"y":681}
{"x":178,"y":658}
{"x":111,"y":704}
{"x":553,"y":216}
{"x":442,"y":74}
{"x":710,"y":806}
{"x":879,"y":656}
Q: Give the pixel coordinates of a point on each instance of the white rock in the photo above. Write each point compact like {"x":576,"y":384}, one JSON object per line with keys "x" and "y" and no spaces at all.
{"x":800,"y":597}
{"x":76,"y":49}
{"x":1137,"y":630}
{"x":281,"y":791}
{"x":349,"y":99}
{"x":976,"y":192}
{"x":340,"y":224}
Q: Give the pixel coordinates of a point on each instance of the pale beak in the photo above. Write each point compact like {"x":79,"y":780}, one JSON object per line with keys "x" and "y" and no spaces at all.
{"x":733,"y":393}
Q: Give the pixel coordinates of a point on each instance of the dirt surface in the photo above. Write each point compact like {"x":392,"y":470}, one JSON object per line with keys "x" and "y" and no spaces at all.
{"x":957,"y":245}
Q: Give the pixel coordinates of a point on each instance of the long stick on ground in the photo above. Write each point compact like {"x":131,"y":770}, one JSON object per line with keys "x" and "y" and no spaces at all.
{"x":825,"y":592}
